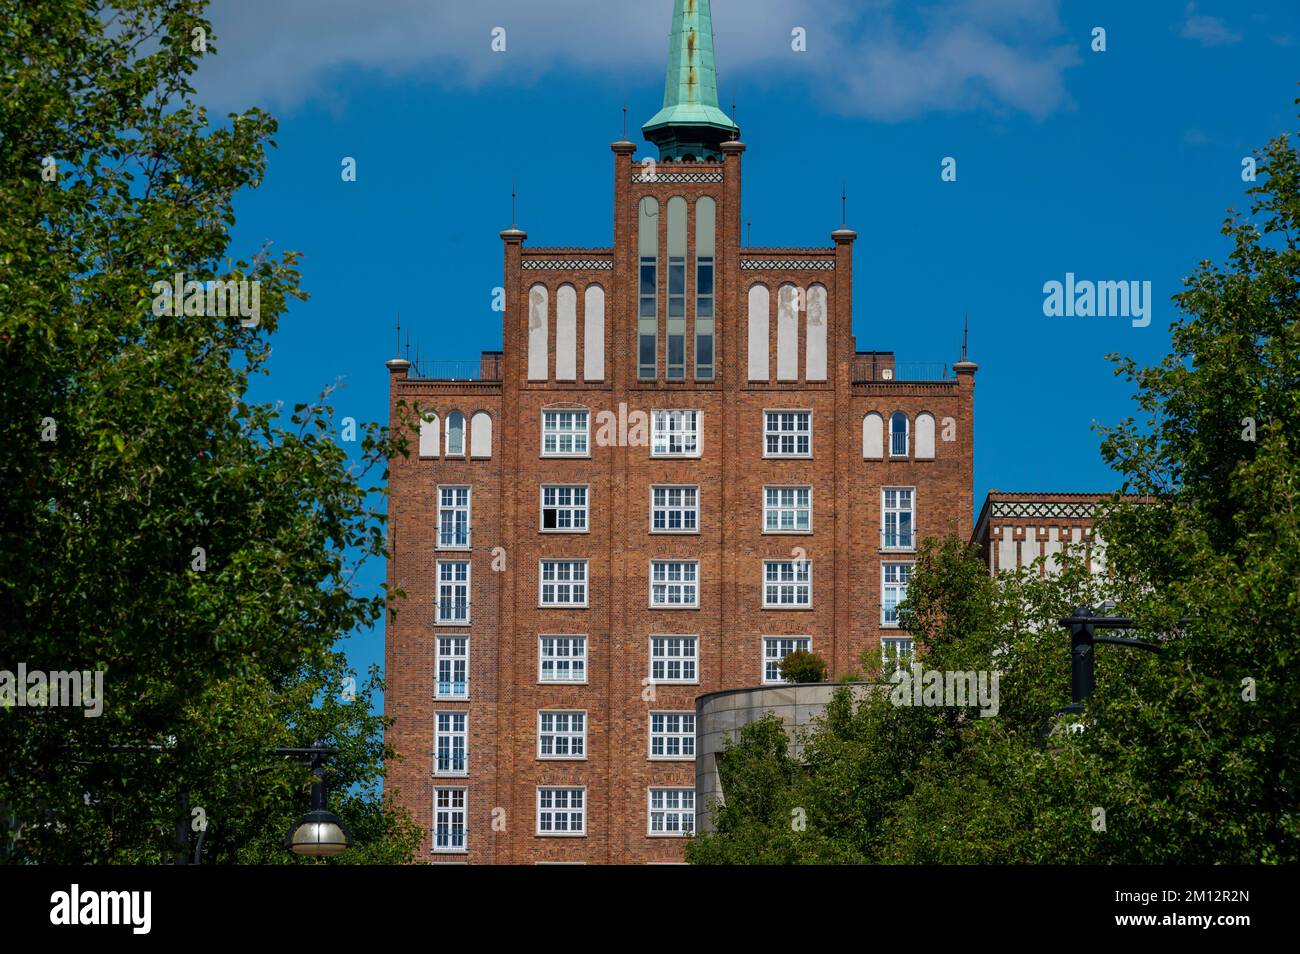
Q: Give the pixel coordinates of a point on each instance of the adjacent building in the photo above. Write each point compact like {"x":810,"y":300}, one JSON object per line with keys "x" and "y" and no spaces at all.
{"x":679,"y":469}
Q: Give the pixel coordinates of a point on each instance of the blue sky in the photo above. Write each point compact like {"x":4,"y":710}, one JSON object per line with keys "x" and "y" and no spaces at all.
{"x":1115,"y":165}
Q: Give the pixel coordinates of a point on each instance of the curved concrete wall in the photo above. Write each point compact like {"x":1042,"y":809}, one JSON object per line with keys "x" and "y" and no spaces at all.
{"x":720,"y":716}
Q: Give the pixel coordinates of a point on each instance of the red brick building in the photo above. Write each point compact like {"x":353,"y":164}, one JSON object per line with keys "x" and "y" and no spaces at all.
{"x":679,"y":469}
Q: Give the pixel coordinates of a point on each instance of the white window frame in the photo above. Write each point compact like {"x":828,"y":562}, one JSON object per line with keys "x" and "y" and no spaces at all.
{"x":884,"y":513}
{"x":794,"y":585}
{"x":571,"y":660}
{"x":455,"y":584}
{"x":780,"y":508}
{"x":464,"y":436}
{"x":454,"y":508}
{"x":681,"y":659}
{"x":583,"y":436}
{"x":907,"y":436}
{"x":568,"y":810}
{"x":669,"y":508}
{"x":769,"y":430}
{"x":453,"y":811}
{"x":679,"y":812}
{"x":886,"y":584}
{"x":584,"y":508}
{"x":887,"y":659}
{"x":439,"y":656}
{"x":800,"y":642}
{"x":662,"y":436}
{"x":693,"y":583}
{"x":683,"y":738}
{"x":568,"y":733}
{"x":452,"y":734}
{"x":541,"y":584}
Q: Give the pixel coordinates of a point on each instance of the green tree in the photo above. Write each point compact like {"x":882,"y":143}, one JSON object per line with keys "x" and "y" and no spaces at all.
{"x":1192,"y":756}
{"x":196,"y":547}
{"x":803,"y":666}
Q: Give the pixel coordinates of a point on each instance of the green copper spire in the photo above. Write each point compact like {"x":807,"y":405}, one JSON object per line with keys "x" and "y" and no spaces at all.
{"x":690,"y":126}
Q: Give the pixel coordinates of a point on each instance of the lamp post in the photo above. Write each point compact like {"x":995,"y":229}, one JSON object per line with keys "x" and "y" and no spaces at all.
{"x":1083,"y":624}
{"x":319,"y":833}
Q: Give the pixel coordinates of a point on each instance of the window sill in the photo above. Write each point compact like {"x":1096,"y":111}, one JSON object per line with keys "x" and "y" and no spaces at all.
{"x":462,"y":624}
{"x":675,"y":533}
{"x":787,"y":533}
{"x":665,"y":607}
{"x":562,"y":758}
{"x":562,"y":606}
{"x":563,"y":532}
{"x":787,"y":609}
{"x":670,"y":758}
{"x":562,"y":834}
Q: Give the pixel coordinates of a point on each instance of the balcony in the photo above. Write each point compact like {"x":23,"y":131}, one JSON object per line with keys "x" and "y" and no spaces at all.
{"x":486,"y":368}
{"x":870,"y":367}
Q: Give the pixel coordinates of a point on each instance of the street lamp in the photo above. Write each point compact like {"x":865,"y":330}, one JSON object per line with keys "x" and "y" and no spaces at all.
{"x":319,"y":833}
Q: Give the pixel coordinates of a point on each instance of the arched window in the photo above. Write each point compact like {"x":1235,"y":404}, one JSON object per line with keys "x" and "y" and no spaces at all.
{"x":925,"y":436}
{"x":815,"y":359}
{"x":480,"y":435}
{"x":788,"y":300}
{"x":429,"y":435}
{"x":593,"y":334}
{"x":455,"y":434}
{"x":759,"y":331}
{"x":566,"y":333}
{"x":873,"y":437}
{"x":647,"y":321}
{"x":898,"y":434}
{"x":538,"y":334}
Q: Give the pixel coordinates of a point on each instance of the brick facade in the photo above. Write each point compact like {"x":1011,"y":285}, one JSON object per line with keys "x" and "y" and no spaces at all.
{"x":731,"y":470}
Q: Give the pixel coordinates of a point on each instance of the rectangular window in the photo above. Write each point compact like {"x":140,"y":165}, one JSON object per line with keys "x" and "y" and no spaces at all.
{"x":563,"y":583}
{"x":453,"y":592}
{"x":704,"y":317}
{"x":787,"y":584}
{"x":561,"y":735}
{"x":562,"y":659}
{"x":899,"y":512}
{"x":648,"y":319}
{"x":674,"y":658}
{"x":449,"y":744}
{"x":674,"y":510}
{"x":787,"y":509}
{"x":787,"y":433}
{"x":676,"y":434}
{"x":674,"y":583}
{"x":453,"y":667}
{"x":672,"y":735}
{"x":561,"y":811}
{"x":775,"y":649}
{"x":449,"y":819}
{"x":565,"y":433}
{"x":894,"y":577}
{"x":564,"y":509}
{"x":894,"y":652}
{"x":676,"y":324}
{"x":672,"y":811}
{"x":453,"y":518}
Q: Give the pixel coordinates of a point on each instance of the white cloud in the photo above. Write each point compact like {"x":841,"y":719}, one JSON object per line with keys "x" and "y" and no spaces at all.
{"x":1210,"y":31}
{"x":875,"y":58}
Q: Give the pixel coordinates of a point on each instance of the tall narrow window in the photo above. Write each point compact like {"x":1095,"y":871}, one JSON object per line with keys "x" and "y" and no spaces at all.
{"x":455,"y":434}
{"x":705,"y":216}
{"x":449,"y":744}
{"x":897,"y":509}
{"x":449,"y":819}
{"x":893,"y":591}
{"x":647,"y":322}
{"x":453,"y":518}
{"x":898,"y":434}
{"x":453,"y":592}
{"x":453,"y":667}
{"x":676,"y":324}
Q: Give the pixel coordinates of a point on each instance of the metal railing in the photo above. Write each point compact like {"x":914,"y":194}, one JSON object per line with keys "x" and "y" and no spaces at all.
{"x":870,"y":370}
{"x":487,"y":368}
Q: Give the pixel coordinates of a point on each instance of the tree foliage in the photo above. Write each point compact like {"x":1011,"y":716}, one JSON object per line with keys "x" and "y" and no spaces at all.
{"x":1191,"y":756}
{"x":155,"y":523}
